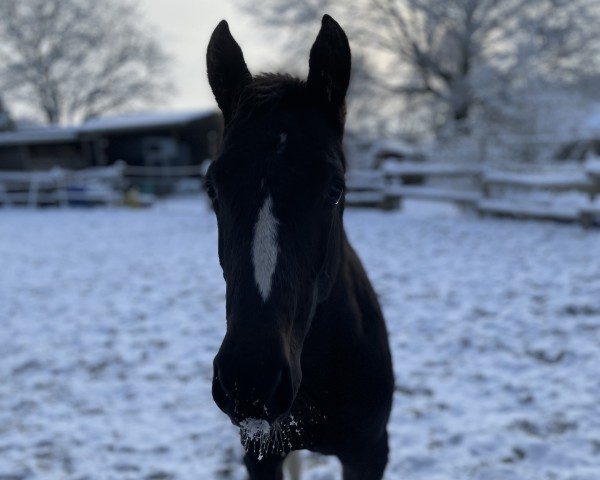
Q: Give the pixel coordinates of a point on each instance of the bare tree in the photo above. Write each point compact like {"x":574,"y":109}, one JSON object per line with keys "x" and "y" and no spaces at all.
{"x":75,"y":59}
{"x":449,"y":58}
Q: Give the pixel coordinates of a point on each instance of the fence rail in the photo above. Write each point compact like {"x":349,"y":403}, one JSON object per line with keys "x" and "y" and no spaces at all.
{"x":165,"y":171}
{"x":538,"y":195}
{"x":57,"y":186}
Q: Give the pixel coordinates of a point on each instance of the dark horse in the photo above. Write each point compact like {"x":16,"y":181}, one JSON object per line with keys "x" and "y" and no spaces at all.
{"x":305,"y":362}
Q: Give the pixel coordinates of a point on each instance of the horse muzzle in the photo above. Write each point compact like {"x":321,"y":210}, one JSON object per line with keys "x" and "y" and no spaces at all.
{"x":260,"y":387}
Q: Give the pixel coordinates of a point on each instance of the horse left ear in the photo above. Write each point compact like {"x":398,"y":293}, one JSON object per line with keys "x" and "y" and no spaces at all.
{"x":329,"y":65}
{"x":226,"y":68}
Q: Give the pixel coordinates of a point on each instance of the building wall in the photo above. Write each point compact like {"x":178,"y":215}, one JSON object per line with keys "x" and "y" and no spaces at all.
{"x":11,"y":157}
{"x":193,"y":143}
{"x":69,"y":156}
{"x":42,"y":156}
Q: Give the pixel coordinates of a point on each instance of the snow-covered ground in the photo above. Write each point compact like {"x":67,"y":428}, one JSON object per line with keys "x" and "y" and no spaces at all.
{"x":110,"y":318}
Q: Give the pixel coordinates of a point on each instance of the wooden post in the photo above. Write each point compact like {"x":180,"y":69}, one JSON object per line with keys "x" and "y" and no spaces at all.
{"x":4,"y":196}
{"x":34,"y":185}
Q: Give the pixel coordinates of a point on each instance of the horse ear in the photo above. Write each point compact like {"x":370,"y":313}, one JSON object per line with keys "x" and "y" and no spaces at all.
{"x":329,"y":65}
{"x":226,"y":68}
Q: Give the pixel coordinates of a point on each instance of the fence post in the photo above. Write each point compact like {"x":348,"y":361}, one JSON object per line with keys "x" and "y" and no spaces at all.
{"x":4,"y":196}
{"x":60,"y":182}
{"x":34,"y":185}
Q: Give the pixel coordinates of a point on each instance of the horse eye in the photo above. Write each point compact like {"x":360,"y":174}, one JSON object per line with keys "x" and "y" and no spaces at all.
{"x":211,"y":191}
{"x":336,"y":190}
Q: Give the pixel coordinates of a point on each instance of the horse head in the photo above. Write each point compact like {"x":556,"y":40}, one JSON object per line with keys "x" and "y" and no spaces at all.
{"x":277,"y":189}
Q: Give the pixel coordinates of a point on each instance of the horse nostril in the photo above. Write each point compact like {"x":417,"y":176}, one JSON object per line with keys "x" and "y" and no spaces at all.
{"x":220,"y":395}
{"x":283,"y":395}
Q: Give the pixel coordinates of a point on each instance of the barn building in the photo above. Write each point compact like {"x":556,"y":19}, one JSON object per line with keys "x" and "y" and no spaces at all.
{"x":159,"y":149}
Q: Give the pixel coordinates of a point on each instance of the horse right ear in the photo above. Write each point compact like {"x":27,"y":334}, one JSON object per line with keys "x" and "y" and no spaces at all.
{"x":227,"y":70}
{"x":329,"y":66}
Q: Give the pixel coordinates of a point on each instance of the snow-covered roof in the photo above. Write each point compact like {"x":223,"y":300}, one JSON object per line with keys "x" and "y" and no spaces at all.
{"x":143,"y":120}
{"x":54,"y":134}
{"x":39,"y":135}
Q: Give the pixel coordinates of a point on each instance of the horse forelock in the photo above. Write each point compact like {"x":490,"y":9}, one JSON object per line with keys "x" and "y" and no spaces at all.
{"x":265,"y":93}
{"x":271,"y":91}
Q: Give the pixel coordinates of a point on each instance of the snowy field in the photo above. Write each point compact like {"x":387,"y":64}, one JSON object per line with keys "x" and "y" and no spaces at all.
{"x":109,"y":320}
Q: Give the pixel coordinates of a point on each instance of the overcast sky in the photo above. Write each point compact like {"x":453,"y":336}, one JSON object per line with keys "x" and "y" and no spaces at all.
{"x":184,"y":27}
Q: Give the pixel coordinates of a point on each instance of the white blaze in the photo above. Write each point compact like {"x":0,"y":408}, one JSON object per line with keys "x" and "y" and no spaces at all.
{"x":265,"y":248}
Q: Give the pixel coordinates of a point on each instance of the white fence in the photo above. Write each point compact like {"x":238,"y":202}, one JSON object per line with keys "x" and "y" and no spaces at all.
{"x":57,"y":186}
{"x":558,"y":194}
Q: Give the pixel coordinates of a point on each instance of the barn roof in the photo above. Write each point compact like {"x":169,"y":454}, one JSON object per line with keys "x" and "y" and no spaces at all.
{"x":39,"y":135}
{"x":138,"y":121}
{"x":143,"y":120}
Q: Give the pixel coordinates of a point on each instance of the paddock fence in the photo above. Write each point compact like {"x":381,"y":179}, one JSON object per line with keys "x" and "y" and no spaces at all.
{"x":59,"y":186}
{"x":110,"y":185}
{"x":570,"y":194}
